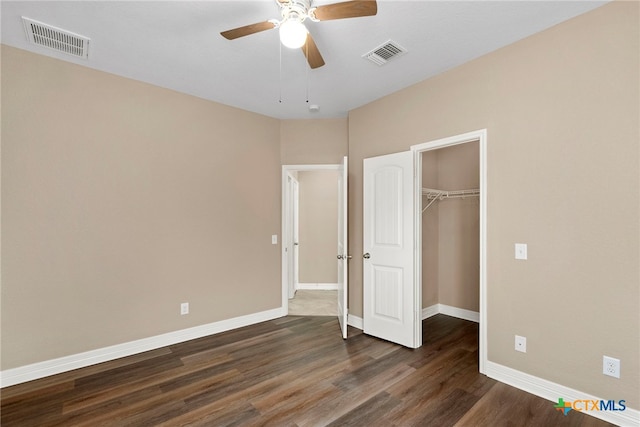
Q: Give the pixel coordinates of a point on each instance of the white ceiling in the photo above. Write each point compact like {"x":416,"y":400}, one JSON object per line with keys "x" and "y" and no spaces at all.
{"x":177,"y":45}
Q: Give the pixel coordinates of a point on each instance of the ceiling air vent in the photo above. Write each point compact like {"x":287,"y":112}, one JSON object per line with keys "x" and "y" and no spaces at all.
{"x":57,"y":39}
{"x":385,"y":52}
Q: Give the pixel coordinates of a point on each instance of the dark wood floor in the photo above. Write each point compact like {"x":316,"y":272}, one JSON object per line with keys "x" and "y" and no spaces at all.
{"x":293,"y":371}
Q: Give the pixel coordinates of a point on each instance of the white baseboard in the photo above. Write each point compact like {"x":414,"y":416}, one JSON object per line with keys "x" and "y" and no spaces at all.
{"x":38,"y":370}
{"x":461,"y":313}
{"x":432,"y":310}
{"x":552,"y":391}
{"x":317,"y":286}
{"x":427,"y":312}
{"x":355,"y":321}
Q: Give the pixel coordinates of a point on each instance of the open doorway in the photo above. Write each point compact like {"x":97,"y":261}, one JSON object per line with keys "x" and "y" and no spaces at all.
{"x":450,"y":223}
{"x":310,"y":235}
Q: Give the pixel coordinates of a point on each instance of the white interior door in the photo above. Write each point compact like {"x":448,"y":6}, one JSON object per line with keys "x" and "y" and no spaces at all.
{"x":288,"y":236}
{"x":343,"y":257}
{"x":291,"y":236}
{"x":390,"y":295}
{"x":296,"y":237}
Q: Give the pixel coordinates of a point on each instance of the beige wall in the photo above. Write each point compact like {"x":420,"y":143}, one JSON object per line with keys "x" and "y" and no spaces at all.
{"x":120,"y":201}
{"x":313,"y":142}
{"x":562,"y":115}
{"x":451,"y":232}
{"x":318,"y":226}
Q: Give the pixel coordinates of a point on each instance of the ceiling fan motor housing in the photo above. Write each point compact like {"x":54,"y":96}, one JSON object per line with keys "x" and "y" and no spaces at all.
{"x":296,"y":10}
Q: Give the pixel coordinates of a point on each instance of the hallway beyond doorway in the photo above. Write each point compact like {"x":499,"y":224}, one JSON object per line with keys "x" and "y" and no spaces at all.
{"x":314,"y":303}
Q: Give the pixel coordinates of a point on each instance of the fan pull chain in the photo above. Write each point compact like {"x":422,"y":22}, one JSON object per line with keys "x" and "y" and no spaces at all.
{"x":280,"y":83}
{"x":307,"y":66}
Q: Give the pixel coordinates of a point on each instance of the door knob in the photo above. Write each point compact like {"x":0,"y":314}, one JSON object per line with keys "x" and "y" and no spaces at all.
{"x":339,"y":256}
{"x":348,"y":256}
{"x":366,"y":256}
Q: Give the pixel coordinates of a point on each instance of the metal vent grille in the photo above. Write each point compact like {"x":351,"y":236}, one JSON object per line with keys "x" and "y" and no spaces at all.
{"x":55,"y":38}
{"x":385,"y":52}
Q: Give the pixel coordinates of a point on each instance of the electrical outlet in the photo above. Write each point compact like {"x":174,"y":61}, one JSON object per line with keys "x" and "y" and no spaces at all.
{"x":184,"y":308}
{"x":521,"y":343}
{"x":611,"y":366}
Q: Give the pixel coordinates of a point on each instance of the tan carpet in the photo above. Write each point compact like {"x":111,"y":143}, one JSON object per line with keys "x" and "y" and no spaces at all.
{"x":314,"y":303}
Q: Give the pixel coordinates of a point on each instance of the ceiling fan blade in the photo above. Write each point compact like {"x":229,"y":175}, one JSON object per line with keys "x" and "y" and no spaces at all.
{"x":347,"y":9}
{"x":312,"y":53}
{"x":247,"y":30}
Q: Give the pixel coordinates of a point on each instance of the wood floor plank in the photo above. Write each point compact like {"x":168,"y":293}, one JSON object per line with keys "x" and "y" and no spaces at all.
{"x":239,"y":413}
{"x":126,"y":408}
{"x":318,"y":374}
{"x":355,"y":392}
{"x":123,"y":374}
{"x":441,"y":368}
{"x":234,"y":401}
{"x":294,"y":371}
{"x":369,"y":413}
{"x":299,"y":401}
{"x":450,"y":409}
{"x":107,"y":412}
{"x":86,"y":399}
{"x":12,"y":396}
{"x":420,"y":395}
{"x":217,"y":350}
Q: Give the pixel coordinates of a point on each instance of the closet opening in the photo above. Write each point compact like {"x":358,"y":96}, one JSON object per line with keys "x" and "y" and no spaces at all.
{"x":451,"y":232}
{"x":451,"y":227}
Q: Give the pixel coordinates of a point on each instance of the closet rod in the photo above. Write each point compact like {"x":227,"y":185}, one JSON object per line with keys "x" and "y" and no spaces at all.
{"x":433,"y":195}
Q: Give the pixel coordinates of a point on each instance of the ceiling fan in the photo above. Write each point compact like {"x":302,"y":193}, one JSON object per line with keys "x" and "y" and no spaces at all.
{"x":293,"y":32}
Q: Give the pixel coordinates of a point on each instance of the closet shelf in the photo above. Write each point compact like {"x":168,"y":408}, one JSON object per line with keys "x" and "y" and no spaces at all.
{"x":432,"y":195}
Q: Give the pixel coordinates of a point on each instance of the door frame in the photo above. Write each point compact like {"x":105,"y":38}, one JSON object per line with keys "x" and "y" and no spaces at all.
{"x":286,"y":170}
{"x":479,"y":136}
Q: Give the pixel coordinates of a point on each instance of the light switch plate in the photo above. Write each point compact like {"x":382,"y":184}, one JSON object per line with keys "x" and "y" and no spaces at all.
{"x":274,"y":239}
{"x":521,"y":251}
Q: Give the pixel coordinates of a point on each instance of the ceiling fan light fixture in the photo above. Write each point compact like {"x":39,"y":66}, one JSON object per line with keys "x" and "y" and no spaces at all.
{"x":293,"y":33}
